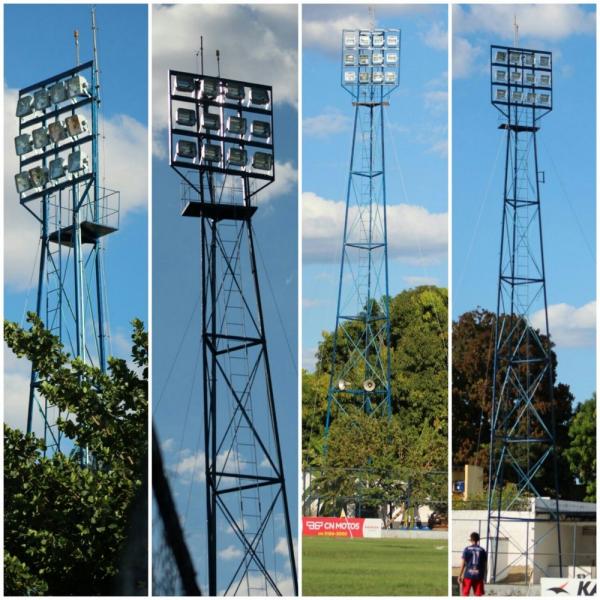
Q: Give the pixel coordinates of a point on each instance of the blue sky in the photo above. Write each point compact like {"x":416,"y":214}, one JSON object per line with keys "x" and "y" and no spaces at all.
{"x":261,"y":46}
{"x":122,"y":45}
{"x":567,"y":155}
{"x":416,"y":155}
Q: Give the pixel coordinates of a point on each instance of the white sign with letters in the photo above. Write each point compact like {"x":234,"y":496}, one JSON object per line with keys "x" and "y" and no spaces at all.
{"x":555,"y":586}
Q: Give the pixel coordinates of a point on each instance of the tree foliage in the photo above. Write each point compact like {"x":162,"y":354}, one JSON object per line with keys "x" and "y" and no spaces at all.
{"x":64,"y":524}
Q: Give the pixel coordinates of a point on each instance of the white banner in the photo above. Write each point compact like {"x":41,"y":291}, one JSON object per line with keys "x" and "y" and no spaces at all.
{"x":554,"y":586}
{"x":372,"y":528}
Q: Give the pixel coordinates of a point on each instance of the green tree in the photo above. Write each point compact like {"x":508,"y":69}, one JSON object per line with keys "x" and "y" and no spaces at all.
{"x":65,"y":525}
{"x":582,"y":452}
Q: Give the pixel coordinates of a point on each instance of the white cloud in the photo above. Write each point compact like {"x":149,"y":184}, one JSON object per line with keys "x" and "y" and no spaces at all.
{"x":542,"y":21}
{"x":168,"y":445}
{"x":123,"y":158}
{"x":230,"y":553}
{"x":415,"y":235}
{"x":311,"y":303}
{"x":190,"y":468}
{"x":309,"y":359}
{"x":286,"y":179}
{"x":436,"y":100}
{"x":257,"y":43}
{"x":17,"y":372}
{"x":416,"y":280}
{"x":570,"y":327}
{"x":464,"y":56}
{"x":328,"y":123}
{"x":436,"y":37}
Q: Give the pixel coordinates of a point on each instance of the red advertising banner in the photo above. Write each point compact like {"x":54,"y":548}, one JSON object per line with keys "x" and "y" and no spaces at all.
{"x":333,"y":526}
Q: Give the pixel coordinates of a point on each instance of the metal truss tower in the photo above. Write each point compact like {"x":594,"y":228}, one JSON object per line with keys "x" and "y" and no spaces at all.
{"x":523,"y":439}
{"x":58,"y":183}
{"x":221,"y":144}
{"x":361,"y":361}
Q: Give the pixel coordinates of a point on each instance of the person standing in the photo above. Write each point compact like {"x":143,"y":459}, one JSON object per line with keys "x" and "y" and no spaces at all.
{"x":473,"y":569}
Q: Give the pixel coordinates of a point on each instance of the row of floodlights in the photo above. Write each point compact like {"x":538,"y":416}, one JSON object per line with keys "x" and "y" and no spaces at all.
{"x":43,"y":98}
{"x":517,"y":97}
{"x":38,"y":177}
{"x":376,"y":58}
{"x":210,"y":88}
{"x":364,"y":77}
{"x":235,"y":156}
{"x":212,"y":122}
{"x":523,"y":78}
{"x":527,"y":59}
{"x":366,"y":39}
{"x":368,"y":385}
{"x":55,"y":132}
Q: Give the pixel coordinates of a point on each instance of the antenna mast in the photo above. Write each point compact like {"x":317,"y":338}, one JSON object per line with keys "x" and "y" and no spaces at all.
{"x":76,"y":36}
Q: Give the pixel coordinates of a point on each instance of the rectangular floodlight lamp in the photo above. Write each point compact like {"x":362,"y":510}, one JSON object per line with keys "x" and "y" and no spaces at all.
{"x":378,"y":39}
{"x":530,"y":98}
{"x":57,"y":168}
{"x":377,"y":58}
{"x":23,"y":144}
{"x":186,"y":149}
{"x":259,"y":95}
{"x":515,"y":58}
{"x":40,"y":138}
{"x":350,"y":40}
{"x":392,"y":40}
{"x":236,"y":125}
{"x":390,"y":76}
{"x":23,"y":182}
{"x":364,"y":39}
{"x":24,"y":106}
{"x":517,"y":96}
{"x":185,"y":83}
{"x":377,"y":77}
{"x":77,"y":86}
{"x":41,"y":99}
{"x":363,"y":60}
{"x":261,"y":129}
{"x":235,"y":91}
{"x":58,"y":92}
{"x":237,"y":157}
{"x":515,"y":76}
{"x":57,"y":132}
{"x":529,"y":78}
{"x":211,"y":153}
{"x":528,"y":60}
{"x":349,"y":77}
{"x":544,"y":99}
{"x":391,"y":58}
{"x":76,"y":125}
{"x":39,"y":176}
{"x":363,"y":77}
{"x":77,"y":161}
{"x":210,"y":88}
{"x":211,"y":122}
{"x":262,"y":161}
{"x":349,"y":59}
{"x":501,"y":94}
{"x":544,"y":79}
{"x":500,"y":56}
{"x":543,"y":60}
{"x":186,"y":117}
{"x":500,"y":76}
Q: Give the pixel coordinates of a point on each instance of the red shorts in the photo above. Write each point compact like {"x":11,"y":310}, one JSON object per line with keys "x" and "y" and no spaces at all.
{"x":475,"y":584}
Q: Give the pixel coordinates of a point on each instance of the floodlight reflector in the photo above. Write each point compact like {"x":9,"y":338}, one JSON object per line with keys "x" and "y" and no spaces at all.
{"x":185,"y":83}
{"x":261,"y":129}
{"x":500,"y":56}
{"x":500,"y":76}
{"x":211,"y":153}
{"x":57,"y":132}
{"x":391,"y":58}
{"x":76,"y":125}
{"x":363,"y":77}
{"x":211,"y":122}
{"x":377,"y":58}
{"x":500,"y":94}
{"x":529,"y":78}
{"x":40,"y":138}
{"x":186,"y":149}
{"x":210,"y":88}
{"x":58,"y":92}
{"x":39,"y":176}
{"x":23,"y":182}
{"x":544,"y":79}
{"x":186,"y":117}
{"x":377,"y":77}
{"x":259,"y":95}
{"x":514,"y":57}
{"x":544,"y":60}
{"x":364,"y":39}
{"x":530,"y":98}
{"x":235,"y":91}
{"x":342,"y":385}
{"x":237,"y":157}
{"x":349,"y":77}
{"x":390,"y":76}
{"x":77,"y":86}
{"x":24,"y":106}
{"x":378,"y":39}
{"x":363,"y":60}
{"x":23,"y":144}
{"x":41,"y":99}
{"x":517,"y":96}
{"x":528,"y":60}
{"x":515,"y":76}
{"x":236,"y":125}
{"x":350,"y":59}
{"x":392,"y":40}
{"x":262,"y":161}
{"x":77,"y":161}
{"x":350,"y":40}
{"x":57,"y":168}
{"x":369,"y":385}
{"x":544,"y":99}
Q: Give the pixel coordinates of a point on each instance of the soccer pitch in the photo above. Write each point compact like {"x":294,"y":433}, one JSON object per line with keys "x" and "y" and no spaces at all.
{"x":374,"y":567}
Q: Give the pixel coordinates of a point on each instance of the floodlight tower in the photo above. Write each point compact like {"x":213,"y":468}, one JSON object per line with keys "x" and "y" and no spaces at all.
{"x":361,"y":368}
{"x":523,"y":437}
{"x":58,"y":183}
{"x":221,"y":144}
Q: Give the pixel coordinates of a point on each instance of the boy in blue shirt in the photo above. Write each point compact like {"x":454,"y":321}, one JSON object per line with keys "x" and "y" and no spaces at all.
{"x":472,"y":572}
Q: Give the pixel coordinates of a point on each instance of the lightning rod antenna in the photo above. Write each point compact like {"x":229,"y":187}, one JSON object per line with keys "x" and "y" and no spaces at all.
{"x":516,"y":27}
{"x":218,"y":64}
{"x":76,"y":36}
{"x":371,"y":17}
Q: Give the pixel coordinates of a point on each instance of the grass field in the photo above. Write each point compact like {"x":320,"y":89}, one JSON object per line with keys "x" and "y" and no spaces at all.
{"x":374,"y":567}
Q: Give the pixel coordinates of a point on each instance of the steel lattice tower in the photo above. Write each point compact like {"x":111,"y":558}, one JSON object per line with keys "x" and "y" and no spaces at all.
{"x":523,"y":439}
{"x":361,"y":376}
{"x":58,"y":183}
{"x":221,"y":144}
